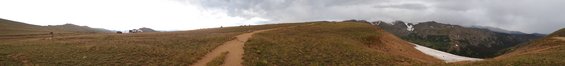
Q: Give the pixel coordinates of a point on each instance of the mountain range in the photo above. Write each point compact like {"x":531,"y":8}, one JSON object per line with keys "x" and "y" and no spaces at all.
{"x":8,"y":27}
{"x":476,"y":42}
{"x":347,"y":43}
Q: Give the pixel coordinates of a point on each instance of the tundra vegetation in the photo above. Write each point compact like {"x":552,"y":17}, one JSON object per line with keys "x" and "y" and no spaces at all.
{"x":158,"y":48}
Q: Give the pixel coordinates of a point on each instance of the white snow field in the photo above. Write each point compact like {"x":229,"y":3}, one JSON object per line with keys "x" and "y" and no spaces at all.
{"x":409,"y":27}
{"x":447,"y":57}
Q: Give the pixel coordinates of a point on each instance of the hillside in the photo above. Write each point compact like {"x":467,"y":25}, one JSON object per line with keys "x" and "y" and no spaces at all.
{"x":180,"y":48}
{"x":330,"y":43}
{"x":8,"y":27}
{"x":12,"y":27}
{"x":76,"y":28}
{"x":322,"y":43}
{"x":548,"y":51}
{"x":455,"y":39}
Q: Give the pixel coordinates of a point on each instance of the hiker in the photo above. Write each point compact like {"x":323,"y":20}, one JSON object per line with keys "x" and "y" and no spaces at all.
{"x":51,"y":33}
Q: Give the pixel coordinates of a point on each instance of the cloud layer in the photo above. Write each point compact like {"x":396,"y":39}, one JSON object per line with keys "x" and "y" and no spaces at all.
{"x":119,"y":14}
{"x":530,"y":16}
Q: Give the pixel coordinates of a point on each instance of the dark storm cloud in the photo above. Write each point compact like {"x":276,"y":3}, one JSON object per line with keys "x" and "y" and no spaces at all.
{"x":543,"y":16}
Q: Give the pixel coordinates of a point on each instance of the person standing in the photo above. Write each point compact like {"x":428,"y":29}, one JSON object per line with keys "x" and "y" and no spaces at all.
{"x":52,"y":35}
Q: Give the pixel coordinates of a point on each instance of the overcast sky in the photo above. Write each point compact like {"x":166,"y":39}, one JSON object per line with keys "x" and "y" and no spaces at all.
{"x":540,"y":16}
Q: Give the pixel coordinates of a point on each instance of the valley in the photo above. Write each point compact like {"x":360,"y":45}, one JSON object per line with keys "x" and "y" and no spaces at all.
{"x":455,"y":39}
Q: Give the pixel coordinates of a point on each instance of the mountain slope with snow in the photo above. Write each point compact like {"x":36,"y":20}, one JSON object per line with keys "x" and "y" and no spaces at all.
{"x":447,"y":57}
{"x":455,"y":39}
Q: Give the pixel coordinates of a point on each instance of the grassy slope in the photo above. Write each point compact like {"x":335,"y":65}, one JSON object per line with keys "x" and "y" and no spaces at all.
{"x":8,"y":27}
{"x":345,"y":43}
{"x":547,"y":51}
{"x":11,"y":27}
{"x":168,"y":48}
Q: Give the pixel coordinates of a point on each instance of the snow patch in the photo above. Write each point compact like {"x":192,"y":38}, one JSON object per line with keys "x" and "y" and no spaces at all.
{"x":379,"y":23}
{"x":447,"y":57}
{"x":409,"y":27}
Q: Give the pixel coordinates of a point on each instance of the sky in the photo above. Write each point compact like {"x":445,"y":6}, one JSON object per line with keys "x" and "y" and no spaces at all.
{"x":529,"y":16}
{"x":121,"y":15}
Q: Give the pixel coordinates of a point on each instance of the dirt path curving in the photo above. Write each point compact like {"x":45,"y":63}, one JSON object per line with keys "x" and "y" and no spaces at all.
{"x":234,"y":49}
{"x":561,"y":38}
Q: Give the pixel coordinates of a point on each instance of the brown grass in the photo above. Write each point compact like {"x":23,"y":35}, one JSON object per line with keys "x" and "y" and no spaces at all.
{"x":388,"y":43}
{"x":8,"y":27}
{"x":218,"y":61}
{"x":547,"y":51}
{"x":321,"y":44}
{"x":165,"y":48}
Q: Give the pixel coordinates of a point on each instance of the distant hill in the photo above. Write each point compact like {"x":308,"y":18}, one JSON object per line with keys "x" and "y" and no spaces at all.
{"x":552,"y":41}
{"x":8,"y":27}
{"x":76,"y":28}
{"x":498,"y":30}
{"x":145,"y":29}
{"x":558,"y":33}
{"x":548,"y":51}
{"x":455,"y":39}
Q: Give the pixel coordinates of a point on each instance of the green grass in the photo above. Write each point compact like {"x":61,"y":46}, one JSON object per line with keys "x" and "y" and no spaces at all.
{"x":166,"y":48}
{"x":439,"y":42}
{"x":320,"y":44}
{"x":218,"y":61}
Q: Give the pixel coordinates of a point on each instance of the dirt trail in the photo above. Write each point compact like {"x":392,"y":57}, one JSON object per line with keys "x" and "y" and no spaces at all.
{"x":562,"y":38}
{"x":234,"y":49}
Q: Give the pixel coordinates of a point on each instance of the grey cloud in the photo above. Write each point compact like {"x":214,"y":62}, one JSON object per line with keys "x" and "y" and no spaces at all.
{"x":542,"y":16}
{"x":404,"y":6}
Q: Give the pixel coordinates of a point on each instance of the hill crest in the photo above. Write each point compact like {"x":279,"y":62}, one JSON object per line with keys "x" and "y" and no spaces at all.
{"x":9,"y":27}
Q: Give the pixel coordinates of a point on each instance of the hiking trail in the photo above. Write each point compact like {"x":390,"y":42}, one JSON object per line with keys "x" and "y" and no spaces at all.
{"x":233,"y":47}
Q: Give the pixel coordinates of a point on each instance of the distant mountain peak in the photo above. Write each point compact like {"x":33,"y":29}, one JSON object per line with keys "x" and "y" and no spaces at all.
{"x":495,"y":29}
{"x":465,"y":41}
